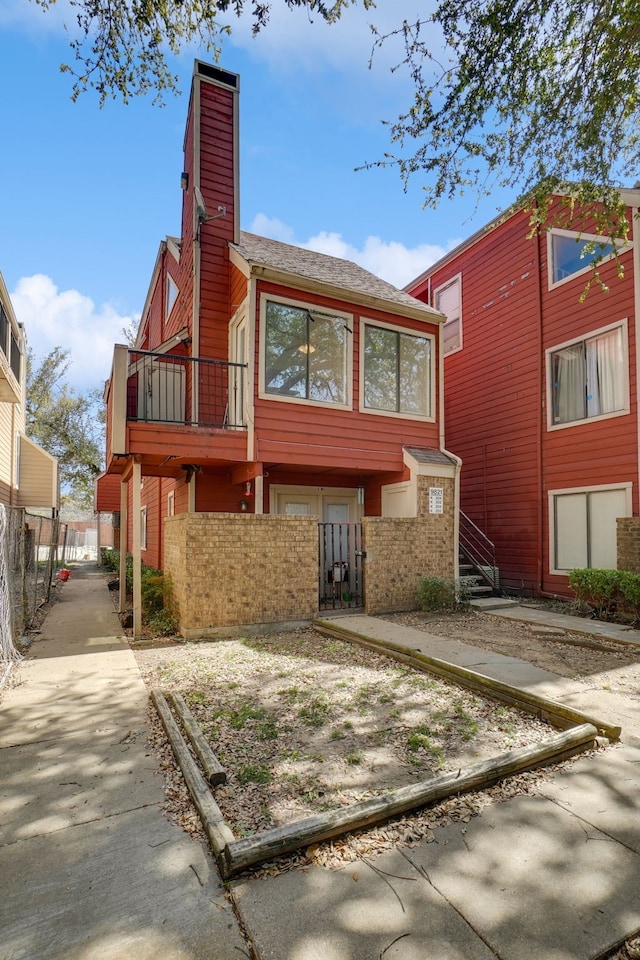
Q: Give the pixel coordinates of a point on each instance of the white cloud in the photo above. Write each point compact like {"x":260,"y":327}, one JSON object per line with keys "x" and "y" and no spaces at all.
{"x":35,"y":20}
{"x":295,"y":37}
{"x":271,"y":227}
{"x":391,"y":260}
{"x":68,"y":319}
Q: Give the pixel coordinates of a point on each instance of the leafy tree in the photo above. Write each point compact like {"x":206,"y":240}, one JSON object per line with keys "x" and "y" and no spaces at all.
{"x":540,"y":95}
{"x":122,"y":43}
{"x":68,"y":425}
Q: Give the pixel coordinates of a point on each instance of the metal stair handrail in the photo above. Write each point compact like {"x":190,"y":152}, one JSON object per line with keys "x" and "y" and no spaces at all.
{"x":478,"y":549}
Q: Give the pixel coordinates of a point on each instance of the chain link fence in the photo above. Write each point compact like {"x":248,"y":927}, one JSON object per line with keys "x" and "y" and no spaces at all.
{"x":35,"y":549}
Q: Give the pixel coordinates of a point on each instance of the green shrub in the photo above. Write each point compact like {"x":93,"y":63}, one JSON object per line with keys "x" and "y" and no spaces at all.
{"x":110,"y":559}
{"x":607,"y":592}
{"x":155,"y":590}
{"x":630,"y":588}
{"x":441,"y":593}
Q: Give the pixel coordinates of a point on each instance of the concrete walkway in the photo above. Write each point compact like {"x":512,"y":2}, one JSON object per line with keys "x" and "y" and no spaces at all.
{"x":555,"y":876}
{"x":90,"y":869}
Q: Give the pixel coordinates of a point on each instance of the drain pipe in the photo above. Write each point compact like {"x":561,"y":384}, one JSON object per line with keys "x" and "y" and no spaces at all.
{"x":457,"y":461}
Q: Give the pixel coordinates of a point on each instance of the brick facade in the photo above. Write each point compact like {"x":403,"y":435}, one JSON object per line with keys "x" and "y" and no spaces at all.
{"x":628,"y":535}
{"x":233,"y":573}
{"x":402,"y":551}
{"x":236,"y":570}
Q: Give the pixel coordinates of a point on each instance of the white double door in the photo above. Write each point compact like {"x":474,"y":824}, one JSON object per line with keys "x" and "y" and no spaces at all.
{"x":329,"y":505}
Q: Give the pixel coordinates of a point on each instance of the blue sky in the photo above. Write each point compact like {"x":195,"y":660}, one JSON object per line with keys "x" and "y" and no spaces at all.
{"x":88,"y":194}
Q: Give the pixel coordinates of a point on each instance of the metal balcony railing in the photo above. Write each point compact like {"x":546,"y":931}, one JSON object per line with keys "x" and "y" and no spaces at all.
{"x":169,"y":388}
{"x":476,"y":547}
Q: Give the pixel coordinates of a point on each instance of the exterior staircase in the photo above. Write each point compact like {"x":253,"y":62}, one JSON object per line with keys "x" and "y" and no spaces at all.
{"x":478,"y":570}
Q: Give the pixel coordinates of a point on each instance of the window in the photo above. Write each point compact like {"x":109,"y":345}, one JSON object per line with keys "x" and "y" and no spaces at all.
{"x":306,"y":353}
{"x":448,"y":300}
{"x":143,"y":528}
{"x":397,"y":372}
{"x":15,"y":359}
{"x":584,"y":530}
{"x":571,"y":253}
{"x":4,"y":330}
{"x":588,"y":377}
{"x":172,"y":294}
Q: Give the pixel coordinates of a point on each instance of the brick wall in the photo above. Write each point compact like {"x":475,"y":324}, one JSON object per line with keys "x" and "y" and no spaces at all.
{"x":402,"y":551}
{"x":231,"y":570}
{"x":629,"y":544}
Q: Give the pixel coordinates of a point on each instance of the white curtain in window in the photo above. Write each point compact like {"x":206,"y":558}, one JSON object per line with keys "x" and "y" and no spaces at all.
{"x":569,"y":384}
{"x":605,"y":382}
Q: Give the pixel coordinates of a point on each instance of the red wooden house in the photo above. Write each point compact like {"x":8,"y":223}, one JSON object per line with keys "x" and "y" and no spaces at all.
{"x":542,"y":391}
{"x":269,"y":381}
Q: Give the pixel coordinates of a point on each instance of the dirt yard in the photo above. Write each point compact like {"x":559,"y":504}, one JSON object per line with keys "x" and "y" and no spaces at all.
{"x":304,"y":724}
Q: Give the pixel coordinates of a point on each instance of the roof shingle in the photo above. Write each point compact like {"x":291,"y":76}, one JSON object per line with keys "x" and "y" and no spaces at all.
{"x":309,"y":265}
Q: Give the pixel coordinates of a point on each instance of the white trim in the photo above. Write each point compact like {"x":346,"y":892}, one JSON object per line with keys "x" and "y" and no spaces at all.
{"x":456,"y":278}
{"x":322,"y":493}
{"x":174,"y":247}
{"x":565,"y":491}
{"x":172,"y":295}
{"x":136,"y":551}
{"x":623,"y":247}
{"x":408,"y":331}
{"x":143,"y":527}
{"x":410,"y":490}
{"x":171,"y":503}
{"x":348,"y":357}
{"x":623,"y":325}
{"x":636,"y":311}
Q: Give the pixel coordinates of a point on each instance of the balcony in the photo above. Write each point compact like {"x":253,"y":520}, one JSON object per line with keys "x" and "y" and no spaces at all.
{"x":10,"y":360}
{"x":161,"y":404}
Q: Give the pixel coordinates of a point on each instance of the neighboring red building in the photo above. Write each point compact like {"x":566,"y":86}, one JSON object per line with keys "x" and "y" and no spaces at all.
{"x":266,"y":378}
{"x":541,"y":391}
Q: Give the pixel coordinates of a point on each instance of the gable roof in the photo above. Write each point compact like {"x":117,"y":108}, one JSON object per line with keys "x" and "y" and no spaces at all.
{"x":299,"y":267}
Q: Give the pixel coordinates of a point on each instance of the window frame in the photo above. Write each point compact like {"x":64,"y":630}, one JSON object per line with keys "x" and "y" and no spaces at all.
{"x":621,"y":247}
{"x":171,"y":296}
{"x":143,"y":527}
{"x":623,"y":326}
{"x":348,"y":318}
{"x":407,"y":331}
{"x":455,"y":279}
{"x":627,"y":486}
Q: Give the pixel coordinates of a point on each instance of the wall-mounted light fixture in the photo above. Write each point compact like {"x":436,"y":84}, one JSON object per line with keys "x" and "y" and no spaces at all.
{"x":243,"y":506}
{"x":184,"y":180}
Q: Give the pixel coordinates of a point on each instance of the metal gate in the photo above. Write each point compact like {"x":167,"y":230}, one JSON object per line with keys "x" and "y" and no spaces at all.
{"x":340,"y":570}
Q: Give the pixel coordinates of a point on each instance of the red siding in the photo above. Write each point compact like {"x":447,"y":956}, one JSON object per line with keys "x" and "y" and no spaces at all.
{"x":495,"y":394}
{"x":323,"y":437}
{"x":217,"y":170}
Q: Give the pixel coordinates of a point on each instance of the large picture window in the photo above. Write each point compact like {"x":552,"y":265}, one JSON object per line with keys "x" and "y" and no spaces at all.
{"x":448,"y":300}
{"x":588,"y":377}
{"x":583,"y":532}
{"x":305,"y":353}
{"x":397,"y":372}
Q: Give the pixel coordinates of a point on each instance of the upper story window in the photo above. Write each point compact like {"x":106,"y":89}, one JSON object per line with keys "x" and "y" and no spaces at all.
{"x":11,"y":343}
{"x":397,"y":373}
{"x":306,"y":352}
{"x":448,"y":300}
{"x":172,"y":294}
{"x":570,"y":253}
{"x":588,"y":377}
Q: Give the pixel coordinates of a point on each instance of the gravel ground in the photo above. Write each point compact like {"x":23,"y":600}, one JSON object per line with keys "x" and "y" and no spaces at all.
{"x":304,"y":724}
